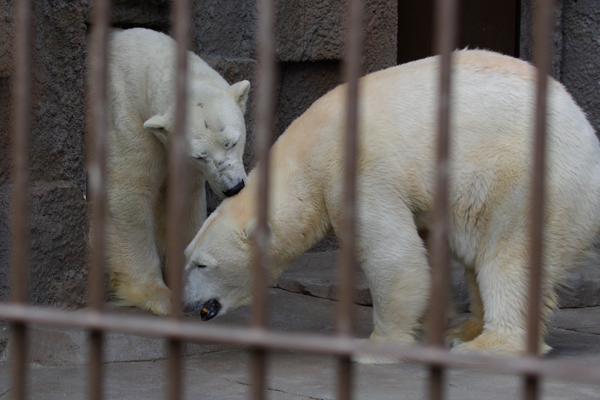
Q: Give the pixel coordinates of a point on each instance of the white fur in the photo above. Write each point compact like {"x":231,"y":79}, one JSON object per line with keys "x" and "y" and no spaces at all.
{"x":491,"y":160}
{"x":142,"y":102}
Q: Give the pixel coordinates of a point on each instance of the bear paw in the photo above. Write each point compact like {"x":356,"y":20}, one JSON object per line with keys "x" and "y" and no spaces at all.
{"x":494,"y":343}
{"x":464,"y":332}
{"x":375,"y":359}
{"x":405,"y":339}
{"x":158,"y":306}
{"x":153,"y":297}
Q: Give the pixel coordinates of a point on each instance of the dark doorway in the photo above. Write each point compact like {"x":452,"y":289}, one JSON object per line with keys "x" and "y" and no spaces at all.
{"x":484,"y":24}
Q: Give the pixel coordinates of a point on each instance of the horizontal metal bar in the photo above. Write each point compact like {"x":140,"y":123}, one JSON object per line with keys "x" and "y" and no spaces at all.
{"x":192,"y":331}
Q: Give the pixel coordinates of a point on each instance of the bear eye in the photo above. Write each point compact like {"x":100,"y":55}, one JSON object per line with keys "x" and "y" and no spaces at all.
{"x":228,"y":144}
{"x":199,"y":265}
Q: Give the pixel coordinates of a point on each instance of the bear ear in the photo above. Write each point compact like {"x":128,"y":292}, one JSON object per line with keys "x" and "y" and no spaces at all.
{"x":157,"y":125}
{"x":240,"y":91}
{"x":252,"y":225}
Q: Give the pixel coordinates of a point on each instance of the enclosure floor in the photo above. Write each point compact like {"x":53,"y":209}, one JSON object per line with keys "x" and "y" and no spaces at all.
{"x":575,"y":335}
{"x":300,"y":301}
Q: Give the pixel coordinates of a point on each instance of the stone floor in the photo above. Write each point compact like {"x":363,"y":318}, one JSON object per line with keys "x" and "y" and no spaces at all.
{"x":58,"y":356}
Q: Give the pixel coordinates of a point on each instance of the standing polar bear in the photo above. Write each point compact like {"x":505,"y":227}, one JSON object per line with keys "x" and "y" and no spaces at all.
{"x":491,"y":163}
{"x":141,"y":118}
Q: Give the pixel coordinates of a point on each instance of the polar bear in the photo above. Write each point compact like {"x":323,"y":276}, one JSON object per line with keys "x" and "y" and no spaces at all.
{"x":491,"y":163}
{"x":141,"y":117}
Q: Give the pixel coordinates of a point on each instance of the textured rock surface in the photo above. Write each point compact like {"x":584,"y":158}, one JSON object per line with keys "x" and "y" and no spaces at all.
{"x":315,"y":274}
{"x":226,"y":374}
{"x":58,"y":211}
{"x":580,"y":67}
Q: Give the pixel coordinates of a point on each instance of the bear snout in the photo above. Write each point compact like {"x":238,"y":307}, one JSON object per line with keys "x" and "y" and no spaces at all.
{"x":194,"y":308}
{"x":234,"y":190}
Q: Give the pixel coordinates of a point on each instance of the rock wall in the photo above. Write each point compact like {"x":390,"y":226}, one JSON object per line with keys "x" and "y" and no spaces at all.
{"x":58,"y":209}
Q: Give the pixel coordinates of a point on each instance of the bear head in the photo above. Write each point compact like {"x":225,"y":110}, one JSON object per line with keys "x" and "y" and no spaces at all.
{"x":216,"y":133}
{"x":218,"y":272}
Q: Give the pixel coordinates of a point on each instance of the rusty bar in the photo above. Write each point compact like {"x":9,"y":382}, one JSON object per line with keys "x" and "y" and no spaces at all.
{"x":436,"y":382}
{"x":446,"y":21}
{"x":193,"y":331}
{"x":542,"y":60}
{"x":20,"y":192}
{"x":258,"y":368}
{"x":345,"y":374}
{"x":96,"y":372}
{"x":97,"y":183}
{"x":446,"y":38}
{"x":21,"y":145}
{"x":260,"y":267}
{"x":347,"y":263}
{"x":347,"y":268}
{"x":265,"y":106}
{"x":177,"y":191}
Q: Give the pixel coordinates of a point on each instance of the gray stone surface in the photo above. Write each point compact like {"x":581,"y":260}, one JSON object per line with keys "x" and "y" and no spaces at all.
{"x":316,"y":30}
{"x":305,"y":30}
{"x":575,"y":50}
{"x":315,"y":274}
{"x":57,"y":245}
{"x":289,"y":311}
{"x":58,"y":219}
{"x":4,"y":338}
{"x":226,"y":374}
{"x":580,"y":67}
{"x":527,"y":31}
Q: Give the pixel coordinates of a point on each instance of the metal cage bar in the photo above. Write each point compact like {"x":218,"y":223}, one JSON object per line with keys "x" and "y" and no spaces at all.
{"x":177,"y":195}
{"x":257,"y":338}
{"x":542,"y":60}
{"x":260,"y":267}
{"x":20,"y":195}
{"x":97,"y":184}
{"x":347,"y":261}
{"x":446,"y":32}
{"x":192,"y":331}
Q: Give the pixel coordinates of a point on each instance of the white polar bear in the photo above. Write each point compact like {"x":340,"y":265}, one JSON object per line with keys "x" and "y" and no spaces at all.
{"x":141,"y":117}
{"x":491,"y":160}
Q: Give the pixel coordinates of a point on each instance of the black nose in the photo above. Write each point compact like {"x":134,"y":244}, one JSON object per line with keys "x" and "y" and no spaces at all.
{"x":234,"y":190}
{"x":210,"y":310}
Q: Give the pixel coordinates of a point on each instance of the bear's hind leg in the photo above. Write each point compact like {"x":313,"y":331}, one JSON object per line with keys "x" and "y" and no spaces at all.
{"x":503,"y":287}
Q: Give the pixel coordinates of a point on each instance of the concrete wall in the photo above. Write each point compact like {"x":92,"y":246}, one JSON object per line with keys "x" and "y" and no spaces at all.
{"x":576,"y":50}
{"x":58,"y":209}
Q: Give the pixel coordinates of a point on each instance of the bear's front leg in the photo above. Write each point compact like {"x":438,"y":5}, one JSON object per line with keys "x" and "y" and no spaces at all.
{"x":133,"y":258}
{"x":395,"y":263}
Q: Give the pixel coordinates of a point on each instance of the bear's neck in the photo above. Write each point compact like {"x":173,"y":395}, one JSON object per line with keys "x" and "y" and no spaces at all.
{"x":297,"y":210}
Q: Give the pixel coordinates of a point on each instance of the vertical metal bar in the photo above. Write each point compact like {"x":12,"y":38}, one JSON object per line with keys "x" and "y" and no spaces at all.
{"x":177,"y":197}
{"x":20,"y":193}
{"x":347,"y":266}
{"x":446,"y":21}
{"x":542,"y":60}
{"x":97,"y":182}
{"x":265,"y":107}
